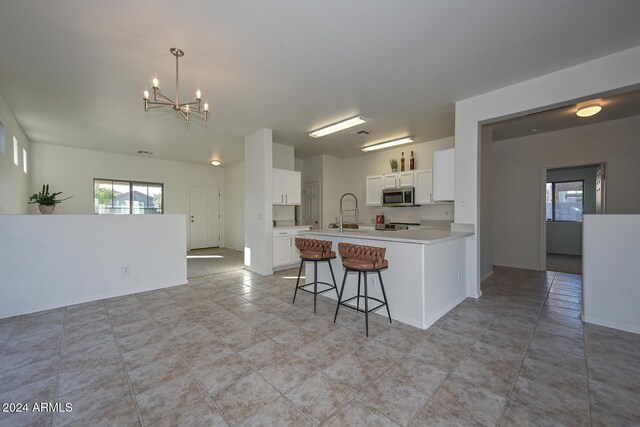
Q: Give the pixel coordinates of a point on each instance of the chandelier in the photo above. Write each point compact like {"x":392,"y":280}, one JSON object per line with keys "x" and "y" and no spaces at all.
{"x":186,"y":109}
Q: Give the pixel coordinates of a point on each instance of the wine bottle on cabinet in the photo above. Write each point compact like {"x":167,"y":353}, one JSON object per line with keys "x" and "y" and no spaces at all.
{"x":412,"y":164}
{"x":402,"y":162}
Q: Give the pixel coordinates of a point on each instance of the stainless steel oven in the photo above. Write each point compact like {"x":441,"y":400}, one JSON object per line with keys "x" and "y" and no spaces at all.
{"x":398,"y":197}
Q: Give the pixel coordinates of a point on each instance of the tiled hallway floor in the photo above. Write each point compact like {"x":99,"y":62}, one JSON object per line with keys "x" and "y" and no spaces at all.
{"x":231,"y":349}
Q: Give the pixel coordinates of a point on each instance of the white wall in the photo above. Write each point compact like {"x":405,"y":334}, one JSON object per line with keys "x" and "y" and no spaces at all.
{"x":283,"y":157}
{"x":564,"y":237}
{"x":258,"y":180}
{"x":72,"y":170}
{"x":50,"y":261}
{"x":14,"y":183}
{"x":519,"y":176}
{"x":234,"y":206}
{"x":610,"y":275}
{"x":574,"y":83}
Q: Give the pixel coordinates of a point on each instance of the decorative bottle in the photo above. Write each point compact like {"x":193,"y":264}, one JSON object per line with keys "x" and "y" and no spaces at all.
{"x":412,"y":163}
{"x":402,"y":162}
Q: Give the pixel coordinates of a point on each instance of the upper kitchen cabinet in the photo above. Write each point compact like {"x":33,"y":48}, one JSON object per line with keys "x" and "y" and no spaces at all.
{"x":443,"y":176}
{"x":390,"y":180}
{"x":374,"y":190}
{"x":287,"y":188}
{"x":423,"y":186}
{"x":405,"y":179}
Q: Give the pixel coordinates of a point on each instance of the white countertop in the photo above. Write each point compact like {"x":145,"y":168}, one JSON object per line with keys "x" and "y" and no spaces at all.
{"x":423,"y":235}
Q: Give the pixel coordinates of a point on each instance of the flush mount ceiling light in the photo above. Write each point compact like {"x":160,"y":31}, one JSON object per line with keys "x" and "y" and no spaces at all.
{"x":387,"y":144}
{"x":588,"y":110}
{"x":186,"y":109}
{"x":345,"y":124}
{"x":216,"y":162}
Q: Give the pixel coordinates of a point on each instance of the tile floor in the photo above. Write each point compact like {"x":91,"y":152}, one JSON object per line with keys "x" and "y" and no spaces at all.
{"x":564,"y":263}
{"x":230,"y":349}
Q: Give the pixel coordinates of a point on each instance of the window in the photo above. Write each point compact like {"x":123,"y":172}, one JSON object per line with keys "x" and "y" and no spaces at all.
{"x":565,"y":201}
{"x":24,"y":160}
{"x":127,"y":197}
{"x":15,"y":151}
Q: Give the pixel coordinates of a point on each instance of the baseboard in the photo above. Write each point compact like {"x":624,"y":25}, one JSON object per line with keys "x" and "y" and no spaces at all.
{"x":486,"y":276}
{"x":614,"y":325}
{"x":433,"y":319}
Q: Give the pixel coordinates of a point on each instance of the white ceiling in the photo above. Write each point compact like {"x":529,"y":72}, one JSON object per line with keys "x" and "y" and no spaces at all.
{"x":73,"y":71}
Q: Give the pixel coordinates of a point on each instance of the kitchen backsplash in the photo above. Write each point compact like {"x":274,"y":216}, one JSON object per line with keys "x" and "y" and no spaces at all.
{"x":407,"y":214}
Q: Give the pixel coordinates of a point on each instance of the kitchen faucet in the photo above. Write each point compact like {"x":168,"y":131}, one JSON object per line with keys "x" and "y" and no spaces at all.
{"x":342,"y":211}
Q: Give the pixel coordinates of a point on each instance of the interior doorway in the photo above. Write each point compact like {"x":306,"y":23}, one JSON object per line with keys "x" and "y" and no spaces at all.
{"x":204,"y":220}
{"x":570,"y":193}
{"x":311,"y":202}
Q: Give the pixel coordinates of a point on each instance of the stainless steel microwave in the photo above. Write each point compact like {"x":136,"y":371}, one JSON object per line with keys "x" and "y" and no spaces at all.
{"x":398,"y":197}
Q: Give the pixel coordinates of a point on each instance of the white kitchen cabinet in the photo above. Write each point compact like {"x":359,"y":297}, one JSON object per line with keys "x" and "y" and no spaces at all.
{"x":390,"y":180}
{"x":423,"y":186}
{"x":285,"y":252}
{"x":281,"y":251}
{"x":287,"y":187}
{"x":405,"y":179}
{"x":374,"y":190}
{"x":443,"y":176}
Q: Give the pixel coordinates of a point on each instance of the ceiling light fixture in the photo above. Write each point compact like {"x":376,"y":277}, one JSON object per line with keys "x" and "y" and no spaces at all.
{"x":387,"y":144}
{"x":216,"y":162}
{"x":200,"y":110}
{"x":336,"y":127}
{"x":588,"y":110}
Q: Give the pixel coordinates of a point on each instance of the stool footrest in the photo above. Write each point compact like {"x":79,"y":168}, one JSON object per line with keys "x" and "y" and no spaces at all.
{"x":302,"y":287}
{"x":344,"y":303}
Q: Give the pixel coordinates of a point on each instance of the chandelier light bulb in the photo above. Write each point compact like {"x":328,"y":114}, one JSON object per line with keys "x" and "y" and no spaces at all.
{"x":160,"y":100}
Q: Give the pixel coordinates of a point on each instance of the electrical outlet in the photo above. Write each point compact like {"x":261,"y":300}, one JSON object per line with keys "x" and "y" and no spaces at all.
{"x":126,"y":269}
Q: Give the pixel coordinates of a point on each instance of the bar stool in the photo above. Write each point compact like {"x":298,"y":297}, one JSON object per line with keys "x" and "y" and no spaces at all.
{"x":316,"y":251}
{"x":362,"y":259}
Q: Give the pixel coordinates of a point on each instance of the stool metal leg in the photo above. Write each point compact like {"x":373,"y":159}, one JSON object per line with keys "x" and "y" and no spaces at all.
{"x":366,"y":304}
{"x":344,"y":279}
{"x":298,"y":281}
{"x":384,"y":295}
{"x":334,"y":278}
{"x":315,"y":284}
{"x":358,"y":294}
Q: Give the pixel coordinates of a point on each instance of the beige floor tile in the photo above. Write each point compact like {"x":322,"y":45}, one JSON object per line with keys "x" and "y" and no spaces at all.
{"x":222,"y":373}
{"x":552,"y":403}
{"x":157,"y":402}
{"x":516,"y":414}
{"x":150,"y":375}
{"x":378,"y":354}
{"x":279,"y":413}
{"x":122,"y":413}
{"x":556,"y":378}
{"x":245,"y":398}
{"x":352,"y":372}
{"x":263,"y":353}
{"x":497,"y":378}
{"x":318,"y":397}
{"x":320,"y":354}
{"x":357,"y":413}
{"x":287,"y":372}
{"x":394,"y":398}
{"x":615,"y":399}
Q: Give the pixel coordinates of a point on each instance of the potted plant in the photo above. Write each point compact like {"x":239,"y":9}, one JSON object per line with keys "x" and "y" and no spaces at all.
{"x":394,"y":165}
{"x":46,"y":201}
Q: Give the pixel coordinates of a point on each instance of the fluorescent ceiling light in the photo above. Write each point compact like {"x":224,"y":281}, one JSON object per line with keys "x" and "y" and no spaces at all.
{"x":216,"y":162}
{"x":588,"y":110}
{"x":393,"y":143}
{"x":336,"y":127}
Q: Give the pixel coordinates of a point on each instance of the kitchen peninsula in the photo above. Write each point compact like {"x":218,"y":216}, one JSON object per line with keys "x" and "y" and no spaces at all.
{"x":426,"y":274}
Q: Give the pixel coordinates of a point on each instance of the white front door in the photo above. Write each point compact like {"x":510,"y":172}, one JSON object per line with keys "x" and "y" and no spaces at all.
{"x":311,"y":204}
{"x":204,"y":225}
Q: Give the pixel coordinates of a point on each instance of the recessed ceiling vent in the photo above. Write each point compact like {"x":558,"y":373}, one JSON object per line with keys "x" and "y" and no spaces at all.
{"x":361,"y":132}
{"x":145,"y":152}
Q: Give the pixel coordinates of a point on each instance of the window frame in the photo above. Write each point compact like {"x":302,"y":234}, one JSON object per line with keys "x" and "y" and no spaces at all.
{"x":131,"y":185}
{"x":553,"y":200}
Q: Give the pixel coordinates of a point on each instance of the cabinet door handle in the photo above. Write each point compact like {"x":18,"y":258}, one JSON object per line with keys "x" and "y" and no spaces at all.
{"x":286,"y":198}
{"x":281,"y":198}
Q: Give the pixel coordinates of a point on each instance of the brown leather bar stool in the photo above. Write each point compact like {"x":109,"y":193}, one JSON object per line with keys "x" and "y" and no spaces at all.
{"x":316,"y":251}
{"x":362,"y":259}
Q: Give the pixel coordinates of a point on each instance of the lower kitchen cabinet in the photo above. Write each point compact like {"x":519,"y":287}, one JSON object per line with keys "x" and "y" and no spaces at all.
{"x":285,"y":252}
